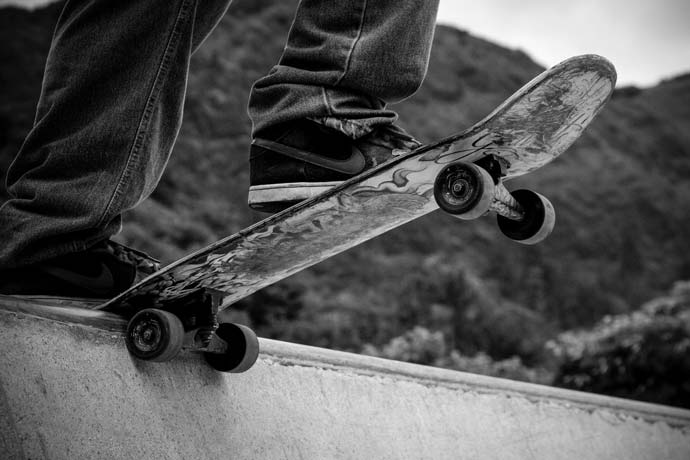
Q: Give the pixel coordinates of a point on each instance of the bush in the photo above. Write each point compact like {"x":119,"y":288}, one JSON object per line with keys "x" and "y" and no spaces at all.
{"x":421,"y":346}
{"x":642,"y":355}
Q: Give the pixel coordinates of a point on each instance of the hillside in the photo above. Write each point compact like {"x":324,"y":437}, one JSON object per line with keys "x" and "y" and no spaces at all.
{"x":622,"y":196}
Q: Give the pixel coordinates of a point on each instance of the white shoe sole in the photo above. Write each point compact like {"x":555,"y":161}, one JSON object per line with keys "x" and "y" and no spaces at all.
{"x":286,"y":193}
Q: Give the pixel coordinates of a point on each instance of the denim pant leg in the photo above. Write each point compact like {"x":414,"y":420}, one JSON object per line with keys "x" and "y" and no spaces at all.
{"x":108,"y":115}
{"x":347,"y":59}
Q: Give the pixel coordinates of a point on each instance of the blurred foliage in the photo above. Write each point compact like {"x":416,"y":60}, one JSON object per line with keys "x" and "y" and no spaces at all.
{"x":421,"y":346}
{"x":435,"y":292}
{"x":643,"y":355}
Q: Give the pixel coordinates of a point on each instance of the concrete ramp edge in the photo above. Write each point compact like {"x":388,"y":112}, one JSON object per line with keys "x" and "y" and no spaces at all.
{"x":70,"y":390}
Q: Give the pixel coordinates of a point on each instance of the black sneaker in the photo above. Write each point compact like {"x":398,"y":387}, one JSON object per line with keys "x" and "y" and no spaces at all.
{"x":102,"y":271}
{"x":298,"y":160}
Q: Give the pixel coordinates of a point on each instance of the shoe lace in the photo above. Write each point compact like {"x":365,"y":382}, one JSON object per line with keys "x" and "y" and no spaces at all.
{"x":389,"y":136}
{"x":392,"y":138}
{"x":144,"y":263}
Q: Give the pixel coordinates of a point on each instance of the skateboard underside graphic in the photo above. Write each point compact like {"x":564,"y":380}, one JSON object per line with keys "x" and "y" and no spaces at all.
{"x":462,"y":174}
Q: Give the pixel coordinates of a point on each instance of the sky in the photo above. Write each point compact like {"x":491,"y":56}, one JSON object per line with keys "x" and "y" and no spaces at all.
{"x":647,"y":40}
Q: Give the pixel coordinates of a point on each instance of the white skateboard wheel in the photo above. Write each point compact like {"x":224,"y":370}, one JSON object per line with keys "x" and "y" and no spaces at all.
{"x":242,"y":349}
{"x":155,"y":335}
{"x":464,"y":190}
{"x":537,"y":223}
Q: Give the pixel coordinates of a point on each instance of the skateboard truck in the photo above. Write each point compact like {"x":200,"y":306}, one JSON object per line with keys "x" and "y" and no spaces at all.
{"x":191,"y":323}
{"x":470,"y":190}
{"x":495,"y":166}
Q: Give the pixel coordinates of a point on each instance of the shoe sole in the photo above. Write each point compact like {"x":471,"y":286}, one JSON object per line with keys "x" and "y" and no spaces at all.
{"x":276,"y":197}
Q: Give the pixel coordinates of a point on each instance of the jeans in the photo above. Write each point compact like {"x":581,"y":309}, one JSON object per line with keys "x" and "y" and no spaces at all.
{"x":113,"y":92}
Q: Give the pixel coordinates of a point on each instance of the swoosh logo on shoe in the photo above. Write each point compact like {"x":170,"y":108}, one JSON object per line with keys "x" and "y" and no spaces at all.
{"x":101,"y":284}
{"x":352,"y":165}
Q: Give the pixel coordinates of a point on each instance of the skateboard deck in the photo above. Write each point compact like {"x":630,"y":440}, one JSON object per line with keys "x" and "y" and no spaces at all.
{"x":530,"y":129}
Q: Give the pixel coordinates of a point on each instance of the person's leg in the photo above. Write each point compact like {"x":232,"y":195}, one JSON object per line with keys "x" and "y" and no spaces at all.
{"x":346,"y":59}
{"x":108,"y":115}
{"x":343,"y":62}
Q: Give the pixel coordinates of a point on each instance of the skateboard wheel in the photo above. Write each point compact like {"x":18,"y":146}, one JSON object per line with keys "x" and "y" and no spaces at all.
{"x":538,"y":222}
{"x":242,"y":351}
{"x":155,"y":335}
{"x":464,"y":190}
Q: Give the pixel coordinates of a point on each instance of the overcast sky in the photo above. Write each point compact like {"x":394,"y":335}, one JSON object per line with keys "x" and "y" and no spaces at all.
{"x":647,"y":40}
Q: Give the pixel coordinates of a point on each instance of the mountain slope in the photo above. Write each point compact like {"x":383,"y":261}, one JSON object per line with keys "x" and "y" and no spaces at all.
{"x":622,"y":196}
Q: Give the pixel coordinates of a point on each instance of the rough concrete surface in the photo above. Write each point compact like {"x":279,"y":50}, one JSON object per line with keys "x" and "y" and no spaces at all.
{"x":70,"y":390}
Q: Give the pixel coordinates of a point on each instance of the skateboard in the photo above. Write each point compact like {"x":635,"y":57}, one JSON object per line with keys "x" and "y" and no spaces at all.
{"x":464,"y":175}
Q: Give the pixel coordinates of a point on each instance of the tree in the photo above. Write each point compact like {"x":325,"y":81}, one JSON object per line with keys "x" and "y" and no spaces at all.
{"x":641,"y":355}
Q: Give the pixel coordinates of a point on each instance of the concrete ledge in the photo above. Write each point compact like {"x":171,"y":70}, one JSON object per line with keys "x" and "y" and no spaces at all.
{"x":70,"y":390}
